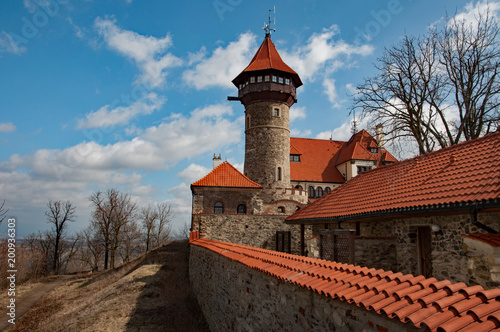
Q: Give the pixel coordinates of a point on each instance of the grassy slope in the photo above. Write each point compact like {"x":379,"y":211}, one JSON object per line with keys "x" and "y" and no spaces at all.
{"x":151,"y":293}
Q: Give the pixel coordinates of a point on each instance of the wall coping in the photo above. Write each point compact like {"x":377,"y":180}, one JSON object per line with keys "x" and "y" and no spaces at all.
{"x":414,"y":300}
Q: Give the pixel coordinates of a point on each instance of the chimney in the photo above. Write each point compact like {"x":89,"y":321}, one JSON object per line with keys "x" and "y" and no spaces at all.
{"x":379,"y":130}
{"x":217,"y":161}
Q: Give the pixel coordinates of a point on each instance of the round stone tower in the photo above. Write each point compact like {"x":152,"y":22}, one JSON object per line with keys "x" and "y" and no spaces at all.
{"x":267,"y":90}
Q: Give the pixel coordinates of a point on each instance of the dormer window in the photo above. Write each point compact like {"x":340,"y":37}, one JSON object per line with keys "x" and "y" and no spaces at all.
{"x":373,"y":150}
{"x":362,"y":169}
{"x":252,"y":79}
{"x":295,"y":158}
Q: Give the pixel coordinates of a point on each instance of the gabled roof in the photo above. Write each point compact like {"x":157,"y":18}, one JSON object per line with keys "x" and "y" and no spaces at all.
{"x":414,"y":300}
{"x":464,"y":173}
{"x":226,"y":175}
{"x":267,"y":57}
{"x":358,"y":148}
{"x":317,"y":162}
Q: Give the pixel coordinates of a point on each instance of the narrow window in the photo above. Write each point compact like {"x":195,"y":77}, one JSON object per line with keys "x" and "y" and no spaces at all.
{"x":275,"y":78}
{"x":319,"y":192}
{"x":327,"y":190}
{"x":242,"y":209}
{"x":252,"y":79}
{"x":279,"y":173}
{"x":266,"y":78}
{"x":259,"y":79}
{"x":311,"y":191}
{"x":218,"y":207}
{"x":276,"y":112}
{"x":280,"y":80}
{"x":247,"y":122}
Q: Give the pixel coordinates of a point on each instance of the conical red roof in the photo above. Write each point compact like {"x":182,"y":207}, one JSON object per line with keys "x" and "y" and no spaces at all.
{"x":267,"y":57}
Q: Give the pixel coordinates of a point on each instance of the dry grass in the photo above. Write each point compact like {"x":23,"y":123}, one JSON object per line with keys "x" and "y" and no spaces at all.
{"x":151,"y":293}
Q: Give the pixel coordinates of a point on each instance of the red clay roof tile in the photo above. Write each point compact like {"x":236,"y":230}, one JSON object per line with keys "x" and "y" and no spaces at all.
{"x":414,"y":300}
{"x":425,"y":181}
{"x":226,"y":175}
{"x":489,"y":238}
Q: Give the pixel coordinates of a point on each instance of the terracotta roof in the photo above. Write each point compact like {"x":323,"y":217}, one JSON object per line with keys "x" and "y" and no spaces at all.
{"x":358,"y":148}
{"x":414,"y":300}
{"x":267,"y":57}
{"x":489,"y":238}
{"x":317,"y":162}
{"x":226,"y":175}
{"x":467,"y":172}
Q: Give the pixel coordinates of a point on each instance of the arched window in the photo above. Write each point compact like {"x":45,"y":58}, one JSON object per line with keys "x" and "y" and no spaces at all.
{"x":319,"y":192}
{"x":299,"y":187}
{"x":279,"y":174}
{"x":327,"y":190}
{"x":218,"y":207}
{"x":311,"y":191}
{"x":241,"y":209}
{"x":281,"y":209}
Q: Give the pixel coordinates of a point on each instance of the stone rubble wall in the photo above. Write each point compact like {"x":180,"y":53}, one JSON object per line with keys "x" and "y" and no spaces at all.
{"x":234,"y":297}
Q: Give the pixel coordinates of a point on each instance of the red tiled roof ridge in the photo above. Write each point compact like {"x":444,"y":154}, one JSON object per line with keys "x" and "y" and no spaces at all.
{"x":407,"y":167}
{"x":267,"y":53}
{"x":489,"y":238}
{"x":412,"y":299}
{"x":226,"y":175}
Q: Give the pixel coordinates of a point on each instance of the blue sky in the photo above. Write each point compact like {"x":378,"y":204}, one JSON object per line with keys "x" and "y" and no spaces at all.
{"x":132,"y":94}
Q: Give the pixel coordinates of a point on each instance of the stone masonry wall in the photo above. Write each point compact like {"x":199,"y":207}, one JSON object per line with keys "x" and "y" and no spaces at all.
{"x":234,"y":297}
{"x":251,"y":230}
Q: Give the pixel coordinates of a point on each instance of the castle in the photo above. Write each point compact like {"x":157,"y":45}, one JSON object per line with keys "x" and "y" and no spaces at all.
{"x":282,"y":174}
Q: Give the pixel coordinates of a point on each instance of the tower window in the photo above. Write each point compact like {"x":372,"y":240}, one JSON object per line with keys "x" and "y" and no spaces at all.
{"x":266,"y":78}
{"x":247,"y":122}
{"x":241,"y":86}
{"x":252,"y":79}
{"x":242,"y":209}
{"x":218,"y":207}
{"x":281,"y":209}
{"x":287,"y":81}
{"x":279,"y":174}
{"x":275,"y":78}
{"x":259,"y":79}
{"x":280,"y":80}
{"x":276,"y":112}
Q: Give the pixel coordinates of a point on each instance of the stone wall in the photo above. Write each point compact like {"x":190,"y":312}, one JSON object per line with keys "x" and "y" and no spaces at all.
{"x":234,"y":297}
{"x":251,"y":230}
{"x":483,"y":263}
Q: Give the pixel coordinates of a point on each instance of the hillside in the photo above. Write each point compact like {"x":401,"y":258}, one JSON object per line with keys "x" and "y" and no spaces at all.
{"x":152,"y":293}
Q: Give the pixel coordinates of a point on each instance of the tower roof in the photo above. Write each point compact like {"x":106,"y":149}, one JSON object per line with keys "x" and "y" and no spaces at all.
{"x":226,"y":175}
{"x":268,"y":58}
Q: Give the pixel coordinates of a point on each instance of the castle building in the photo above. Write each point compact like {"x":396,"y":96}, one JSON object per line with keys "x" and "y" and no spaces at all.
{"x":281,"y":174}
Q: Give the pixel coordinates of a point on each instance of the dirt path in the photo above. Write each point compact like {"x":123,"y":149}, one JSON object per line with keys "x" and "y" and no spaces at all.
{"x":27,"y":300}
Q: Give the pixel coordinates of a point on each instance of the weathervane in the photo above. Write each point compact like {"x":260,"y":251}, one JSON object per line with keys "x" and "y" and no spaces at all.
{"x":267,"y":27}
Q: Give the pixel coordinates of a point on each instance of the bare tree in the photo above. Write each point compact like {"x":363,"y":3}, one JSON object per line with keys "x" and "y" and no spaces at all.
{"x":40,"y":250}
{"x":58,"y":215}
{"x":130,"y":241}
{"x":162,"y":230}
{"x":148,"y":217}
{"x":113,"y":210}
{"x":438,"y":89}
{"x":93,"y":250}
{"x":471,"y":58}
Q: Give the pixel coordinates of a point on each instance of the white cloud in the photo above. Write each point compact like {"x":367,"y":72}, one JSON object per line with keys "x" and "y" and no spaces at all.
{"x":331,"y":91}
{"x":223,"y":65}
{"x":148,"y":52}
{"x":472,"y":10}
{"x":299,"y":133}
{"x":193,"y":173}
{"x":297,"y":112}
{"x":7,"y":127}
{"x":121,"y":115}
{"x":324,"y":54}
{"x":9,"y":45}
